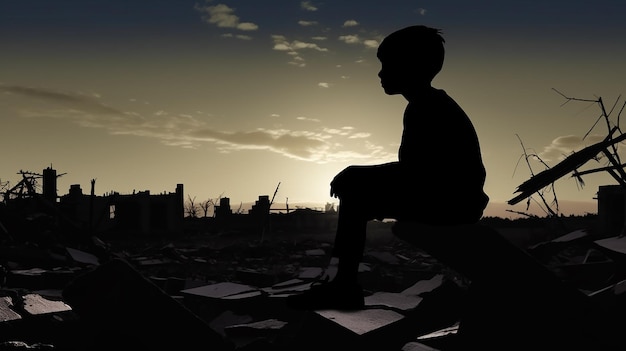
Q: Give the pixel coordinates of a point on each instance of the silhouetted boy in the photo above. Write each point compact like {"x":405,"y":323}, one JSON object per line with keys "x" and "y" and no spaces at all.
{"x":437,"y":180}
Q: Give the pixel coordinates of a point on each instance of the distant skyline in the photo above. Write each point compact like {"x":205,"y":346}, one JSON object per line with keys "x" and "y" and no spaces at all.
{"x":230,"y":98}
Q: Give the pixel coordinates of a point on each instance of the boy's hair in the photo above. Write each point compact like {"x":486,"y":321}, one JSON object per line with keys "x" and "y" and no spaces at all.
{"x":418,"y":43}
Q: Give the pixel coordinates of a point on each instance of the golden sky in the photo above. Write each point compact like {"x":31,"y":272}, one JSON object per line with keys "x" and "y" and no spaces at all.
{"x":231,"y":98}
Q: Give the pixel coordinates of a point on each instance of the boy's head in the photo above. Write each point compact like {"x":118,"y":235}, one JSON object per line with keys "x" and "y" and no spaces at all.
{"x":415,"y":52}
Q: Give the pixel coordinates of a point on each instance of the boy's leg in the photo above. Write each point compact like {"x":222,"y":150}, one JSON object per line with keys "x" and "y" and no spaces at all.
{"x":349,"y":242}
{"x":343,"y":291}
{"x":354,"y":186}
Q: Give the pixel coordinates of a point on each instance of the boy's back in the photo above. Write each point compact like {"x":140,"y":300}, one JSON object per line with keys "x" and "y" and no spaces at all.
{"x":440,"y":149}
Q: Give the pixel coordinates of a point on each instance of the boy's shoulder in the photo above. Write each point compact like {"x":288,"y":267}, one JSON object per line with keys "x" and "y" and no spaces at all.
{"x":436,"y":101}
{"x":437,"y":95}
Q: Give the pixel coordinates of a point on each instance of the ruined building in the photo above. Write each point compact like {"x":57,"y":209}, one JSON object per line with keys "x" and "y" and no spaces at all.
{"x":113,"y":214}
{"x":139,"y":213}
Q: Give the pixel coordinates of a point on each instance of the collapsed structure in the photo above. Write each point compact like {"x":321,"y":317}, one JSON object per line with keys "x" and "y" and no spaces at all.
{"x":111,"y":214}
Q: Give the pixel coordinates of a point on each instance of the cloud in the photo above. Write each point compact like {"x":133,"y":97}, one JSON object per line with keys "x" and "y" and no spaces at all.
{"x":354,"y":39}
{"x":295,"y":48}
{"x":247,"y":26}
{"x":186,"y":130}
{"x":350,"y":23}
{"x":237,"y":36}
{"x":299,"y":45}
{"x":308,"y":6}
{"x":344,"y":131}
{"x":282,"y":44}
{"x":303,"y":118}
{"x":360,"y":135}
{"x":224,"y":17}
{"x":323,"y":85}
{"x":78,"y":102}
{"x":350,"y":39}
{"x":307,"y":23}
{"x":371,"y":43}
{"x":564,"y":146}
{"x":302,"y":145}
{"x":421,"y":11}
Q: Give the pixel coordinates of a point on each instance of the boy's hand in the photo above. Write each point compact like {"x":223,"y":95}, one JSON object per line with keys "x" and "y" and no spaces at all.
{"x":338,"y":184}
{"x":333,"y":193}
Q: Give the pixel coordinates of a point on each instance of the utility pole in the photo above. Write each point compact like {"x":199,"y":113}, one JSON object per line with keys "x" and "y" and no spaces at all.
{"x":269,"y":215}
{"x":91,"y":205}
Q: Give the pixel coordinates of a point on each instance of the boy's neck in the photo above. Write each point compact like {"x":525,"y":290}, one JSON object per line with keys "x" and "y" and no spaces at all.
{"x":417,"y":91}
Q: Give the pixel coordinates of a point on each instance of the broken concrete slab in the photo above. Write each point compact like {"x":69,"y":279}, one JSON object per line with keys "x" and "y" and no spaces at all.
{"x":220,"y":290}
{"x":447,"y":331}
{"x":255,"y":329}
{"x":315,"y":252}
{"x":35,"y":304}
{"x":287,"y":288}
{"x":424,"y":286}
{"x":82,"y":256}
{"x":441,"y":339}
{"x":417,"y":346}
{"x":211,"y":300}
{"x":32,"y":318}
{"x":228,"y":318}
{"x":244,"y":295}
{"x":145,"y":261}
{"x":616,"y":244}
{"x":286,"y":284}
{"x":368,"y":329}
{"x":119,"y":306}
{"x":364,"y":267}
{"x":397,"y":301}
{"x":361,"y":322}
{"x":571,"y":236}
{"x":7,"y":312}
{"x":259,"y":335}
{"x":255,"y":277}
{"x":310,"y":273}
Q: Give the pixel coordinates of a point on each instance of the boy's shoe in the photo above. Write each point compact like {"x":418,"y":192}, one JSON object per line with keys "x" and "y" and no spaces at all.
{"x":329,"y":295}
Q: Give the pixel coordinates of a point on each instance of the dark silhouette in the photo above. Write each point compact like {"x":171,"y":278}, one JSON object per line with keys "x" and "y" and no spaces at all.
{"x":513,"y":302}
{"x":438,"y":178}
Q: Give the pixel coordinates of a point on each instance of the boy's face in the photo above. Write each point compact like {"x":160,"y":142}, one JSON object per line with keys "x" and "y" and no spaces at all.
{"x":391,"y":79}
{"x":400,"y":74}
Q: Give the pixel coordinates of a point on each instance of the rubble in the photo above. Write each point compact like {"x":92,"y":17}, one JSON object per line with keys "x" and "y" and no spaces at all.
{"x":143,"y":297}
{"x":144,"y":287}
{"x":227,"y":290}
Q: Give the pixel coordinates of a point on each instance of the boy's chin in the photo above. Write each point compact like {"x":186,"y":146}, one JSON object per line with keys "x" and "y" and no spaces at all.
{"x":390,"y":91}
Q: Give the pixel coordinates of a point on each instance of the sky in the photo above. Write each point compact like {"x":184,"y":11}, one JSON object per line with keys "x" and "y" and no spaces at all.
{"x":245,"y":98}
